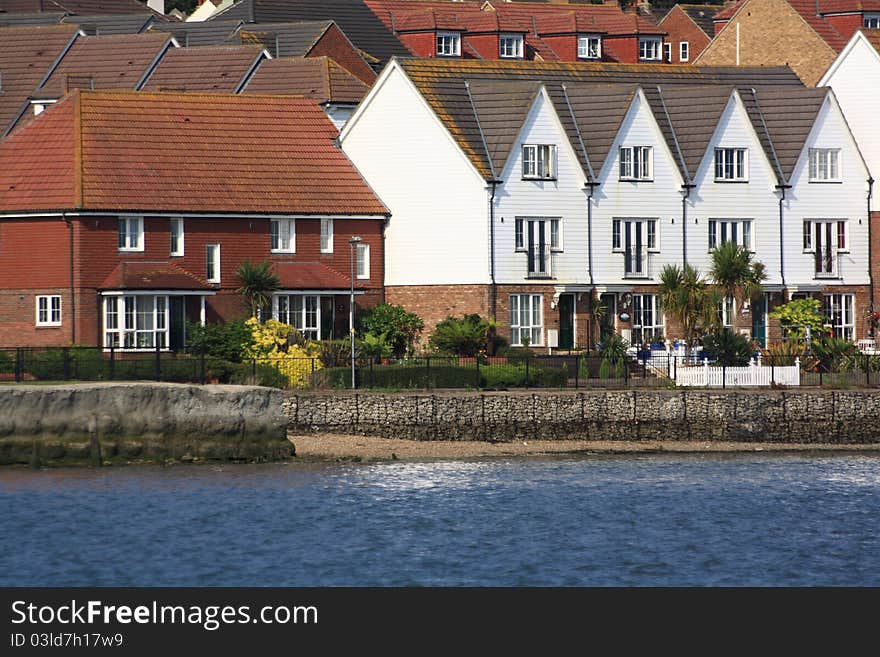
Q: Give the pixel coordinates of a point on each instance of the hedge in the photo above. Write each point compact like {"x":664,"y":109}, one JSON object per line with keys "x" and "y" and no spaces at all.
{"x":442,"y":376}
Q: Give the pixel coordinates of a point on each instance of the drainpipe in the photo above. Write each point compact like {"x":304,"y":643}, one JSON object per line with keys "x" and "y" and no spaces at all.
{"x":782,"y":189}
{"x":69,"y":223}
{"x":870,"y":255}
{"x":493,"y":288}
{"x":592,"y":188}
{"x":687,"y":187}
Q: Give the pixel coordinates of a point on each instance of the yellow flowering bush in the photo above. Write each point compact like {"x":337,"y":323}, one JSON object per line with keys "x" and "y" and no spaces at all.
{"x":271,"y":347}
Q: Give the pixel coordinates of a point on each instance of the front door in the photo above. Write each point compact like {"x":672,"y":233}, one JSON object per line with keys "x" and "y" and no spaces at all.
{"x":607,"y":311}
{"x":566,"y":321}
{"x":759,"y":321}
{"x":328,"y":318}
{"x":177,"y":324}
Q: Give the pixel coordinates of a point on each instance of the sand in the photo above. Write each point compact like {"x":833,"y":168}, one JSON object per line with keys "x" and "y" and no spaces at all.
{"x":331,"y":447}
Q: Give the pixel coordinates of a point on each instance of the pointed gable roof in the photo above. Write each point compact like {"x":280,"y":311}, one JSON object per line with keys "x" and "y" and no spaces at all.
{"x":695,"y":111}
{"x":442,"y":84}
{"x":203,"y":33}
{"x":502,"y":108}
{"x":599,"y":110}
{"x":286,"y":39}
{"x":789,"y":117}
{"x":179,"y":152}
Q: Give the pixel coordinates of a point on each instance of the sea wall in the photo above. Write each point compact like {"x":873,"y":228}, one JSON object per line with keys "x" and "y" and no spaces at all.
{"x":153,"y":422}
{"x":816,"y":416}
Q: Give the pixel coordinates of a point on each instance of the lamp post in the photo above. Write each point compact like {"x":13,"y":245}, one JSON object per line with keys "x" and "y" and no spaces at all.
{"x":352,"y":243}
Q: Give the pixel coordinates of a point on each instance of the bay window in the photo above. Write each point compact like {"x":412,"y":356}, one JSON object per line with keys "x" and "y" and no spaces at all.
{"x":302,"y":311}
{"x":136,"y":321}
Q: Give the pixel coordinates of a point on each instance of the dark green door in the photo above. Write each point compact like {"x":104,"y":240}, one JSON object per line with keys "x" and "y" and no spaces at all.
{"x":566,"y":321}
{"x":177,"y":325}
{"x":759,"y":321}
{"x":328,"y":318}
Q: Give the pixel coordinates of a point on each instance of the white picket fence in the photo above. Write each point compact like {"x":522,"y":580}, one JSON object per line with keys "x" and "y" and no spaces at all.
{"x":754,"y":374}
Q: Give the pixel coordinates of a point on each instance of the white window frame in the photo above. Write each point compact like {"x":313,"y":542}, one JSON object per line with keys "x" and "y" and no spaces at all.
{"x":539,"y":162}
{"x":212,"y":261}
{"x":534,"y":311}
{"x":125,"y":334}
{"x":552,"y":228}
{"x":639,"y":326}
{"x":839,"y":309}
{"x":650,"y":49}
{"x":871,"y":21}
{"x":362,"y":261}
{"x":130,"y":234}
{"x":841,"y":234}
{"x":50,"y":312}
{"x":448,"y":44}
{"x":511,"y":46}
{"x":730,"y":165}
{"x":279,"y":231}
{"x":327,"y":235}
{"x":589,"y":46}
{"x":727,"y":311}
{"x":824,"y":165}
{"x":302,"y":311}
{"x":647,"y":227}
{"x":739,"y":231}
{"x":667,"y":51}
{"x":177,"y":246}
{"x":684,"y":51}
{"x":636,"y":163}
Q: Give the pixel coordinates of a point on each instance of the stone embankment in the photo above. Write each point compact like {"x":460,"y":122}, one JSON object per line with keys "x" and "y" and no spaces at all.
{"x":776,"y":416}
{"x":140,"y":422}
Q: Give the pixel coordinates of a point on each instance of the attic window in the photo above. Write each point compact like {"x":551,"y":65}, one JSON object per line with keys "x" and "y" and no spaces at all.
{"x":448,"y":44}
{"x":538,"y":161}
{"x":511,"y":46}
{"x":872,"y":21}
{"x":649,"y":48}
{"x":589,"y":47}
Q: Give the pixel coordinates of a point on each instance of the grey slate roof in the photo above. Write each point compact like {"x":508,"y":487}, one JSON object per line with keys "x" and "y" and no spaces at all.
{"x":686,"y":102}
{"x":18,"y":18}
{"x":353,"y":17}
{"x":207,"y":33}
{"x":286,"y":39}
{"x":112,"y":23}
{"x":702,"y":16}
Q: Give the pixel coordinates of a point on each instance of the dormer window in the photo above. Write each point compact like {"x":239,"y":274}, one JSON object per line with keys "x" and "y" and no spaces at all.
{"x":448,"y":44}
{"x":649,"y":48}
{"x":511,"y":46}
{"x":539,"y":161}
{"x":872,"y":21}
{"x":589,"y":47}
{"x":637,"y":163}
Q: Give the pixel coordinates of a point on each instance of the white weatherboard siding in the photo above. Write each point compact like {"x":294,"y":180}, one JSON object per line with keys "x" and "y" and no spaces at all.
{"x":753,"y":200}
{"x":660,"y":199}
{"x":855,"y":78}
{"x":563,"y":198}
{"x":843,"y":200}
{"x":438,"y":233}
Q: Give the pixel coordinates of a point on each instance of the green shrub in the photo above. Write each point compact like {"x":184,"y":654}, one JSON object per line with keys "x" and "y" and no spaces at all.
{"x":401,"y":328}
{"x":266,"y":375}
{"x":227,"y":341}
{"x":335,"y":353}
{"x":605,"y":369}
{"x":442,"y":376}
{"x":462,"y":337}
{"x":516,"y":355}
{"x":728,"y":349}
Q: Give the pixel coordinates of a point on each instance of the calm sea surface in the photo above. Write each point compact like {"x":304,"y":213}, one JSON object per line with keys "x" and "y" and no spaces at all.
{"x":745,"y":519}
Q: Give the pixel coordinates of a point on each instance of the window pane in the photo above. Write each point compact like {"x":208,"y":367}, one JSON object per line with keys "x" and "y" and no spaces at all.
{"x":554,"y":233}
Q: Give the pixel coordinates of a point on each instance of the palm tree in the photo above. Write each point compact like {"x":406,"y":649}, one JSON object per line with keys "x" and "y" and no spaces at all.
{"x":689,"y":299}
{"x":737,"y":275}
{"x":257,"y":284}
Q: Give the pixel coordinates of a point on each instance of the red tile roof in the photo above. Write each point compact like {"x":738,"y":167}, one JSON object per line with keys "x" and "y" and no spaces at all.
{"x":311,"y":276}
{"x":151,"y":276}
{"x":806,"y":9}
{"x":26,"y":55}
{"x":181,"y":152}
{"x":213,"y":69}
{"x":118,"y":61}
{"x":841,"y":6}
{"x":873,"y":37}
{"x":726,"y":13}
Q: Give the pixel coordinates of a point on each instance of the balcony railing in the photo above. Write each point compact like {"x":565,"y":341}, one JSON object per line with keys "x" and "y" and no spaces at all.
{"x":540,"y":262}
{"x":827,"y":265}
{"x":637,"y":263}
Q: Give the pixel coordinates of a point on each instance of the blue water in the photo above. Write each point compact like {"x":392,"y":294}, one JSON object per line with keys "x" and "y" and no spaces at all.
{"x":744,"y":519}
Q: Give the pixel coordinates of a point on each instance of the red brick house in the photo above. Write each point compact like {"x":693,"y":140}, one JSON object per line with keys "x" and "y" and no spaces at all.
{"x":124,"y":214}
{"x":689,"y":30}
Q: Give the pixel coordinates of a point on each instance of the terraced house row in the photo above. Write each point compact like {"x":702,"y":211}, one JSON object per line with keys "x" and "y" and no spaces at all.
{"x":540,"y":193}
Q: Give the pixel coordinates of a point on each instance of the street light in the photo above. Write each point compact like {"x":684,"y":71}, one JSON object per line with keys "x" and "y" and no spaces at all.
{"x":354,"y":241}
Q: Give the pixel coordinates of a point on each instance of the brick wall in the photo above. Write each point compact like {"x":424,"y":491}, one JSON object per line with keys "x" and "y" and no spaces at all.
{"x":420,"y":44}
{"x":680,"y":28}
{"x":772,"y":33}
{"x":336,"y":46}
{"x":625,"y":49}
{"x":874,"y":232}
{"x":434,"y":303}
{"x":487,"y":45}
